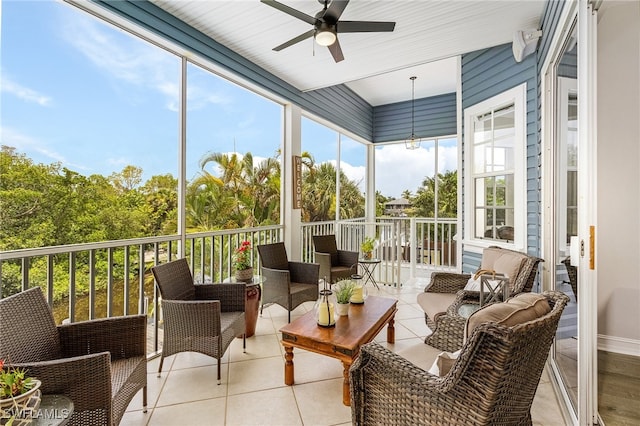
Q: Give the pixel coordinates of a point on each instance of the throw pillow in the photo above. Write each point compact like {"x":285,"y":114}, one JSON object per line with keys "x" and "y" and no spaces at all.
{"x":443,"y":363}
{"x":517,"y":310}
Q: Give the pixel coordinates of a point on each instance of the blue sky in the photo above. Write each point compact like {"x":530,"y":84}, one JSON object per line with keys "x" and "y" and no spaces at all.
{"x":80,"y":92}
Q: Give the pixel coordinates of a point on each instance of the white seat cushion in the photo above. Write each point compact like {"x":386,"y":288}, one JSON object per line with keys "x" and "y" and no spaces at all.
{"x":435,"y":304}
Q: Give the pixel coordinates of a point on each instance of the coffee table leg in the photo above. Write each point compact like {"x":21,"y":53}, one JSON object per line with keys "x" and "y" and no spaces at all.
{"x":288,"y":365}
{"x":391,"y":331}
{"x":346,"y":398}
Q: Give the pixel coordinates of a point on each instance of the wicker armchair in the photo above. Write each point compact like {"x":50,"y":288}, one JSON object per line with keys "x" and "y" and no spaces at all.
{"x":334,"y":264}
{"x":99,"y":364}
{"x":492,"y":382}
{"x":445,"y":294}
{"x":202,"y":318}
{"x":287,"y":284}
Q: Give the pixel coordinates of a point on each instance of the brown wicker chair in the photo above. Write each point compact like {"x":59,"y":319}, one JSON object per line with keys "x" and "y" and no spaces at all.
{"x":492,"y":382}
{"x":202,"y":318}
{"x":287,"y":284}
{"x":99,"y":364}
{"x":334,"y":264}
{"x":445,"y":294}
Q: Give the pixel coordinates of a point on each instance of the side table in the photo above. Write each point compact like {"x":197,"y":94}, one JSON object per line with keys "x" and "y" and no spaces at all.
{"x":368,"y":267}
{"x":251,"y":303}
{"x":54,"y":410}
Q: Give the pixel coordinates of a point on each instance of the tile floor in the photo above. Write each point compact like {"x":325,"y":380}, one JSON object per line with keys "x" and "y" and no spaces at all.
{"x":253,"y":390}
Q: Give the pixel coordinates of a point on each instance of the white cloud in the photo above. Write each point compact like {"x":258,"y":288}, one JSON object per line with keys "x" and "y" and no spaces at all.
{"x":129,"y":60}
{"x":399,"y":169}
{"x":24,"y":93}
{"x":34,"y":148}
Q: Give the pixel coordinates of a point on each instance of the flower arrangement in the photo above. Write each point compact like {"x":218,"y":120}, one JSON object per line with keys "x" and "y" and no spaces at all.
{"x":344,"y":290}
{"x":13,"y":381}
{"x":242,"y":256}
{"x":367,"y":245}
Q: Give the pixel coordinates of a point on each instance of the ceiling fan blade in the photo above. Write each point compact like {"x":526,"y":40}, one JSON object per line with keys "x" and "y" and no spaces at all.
{"x":336,"y":51}
{"x":290,"y":11}
{"x":335,"y":9}
{"x":364,"y":26}
{"x":295,"y":40}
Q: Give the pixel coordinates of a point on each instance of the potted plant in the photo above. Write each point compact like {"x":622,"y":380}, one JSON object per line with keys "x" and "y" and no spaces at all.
{"x":367,"y":247}
{"x":242,"y":262}
{"x":344,"y":290}
{"x":17,"y":392}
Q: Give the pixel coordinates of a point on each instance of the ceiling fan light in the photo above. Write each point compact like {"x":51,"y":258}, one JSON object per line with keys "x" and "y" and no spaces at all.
{"x":326,"y":37}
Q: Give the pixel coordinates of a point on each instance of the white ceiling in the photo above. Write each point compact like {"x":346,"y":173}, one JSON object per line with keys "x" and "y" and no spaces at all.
{"x":428,"y":36}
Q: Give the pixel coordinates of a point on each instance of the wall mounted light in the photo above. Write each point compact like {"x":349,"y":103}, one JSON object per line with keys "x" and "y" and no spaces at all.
{"x":524,"y":43}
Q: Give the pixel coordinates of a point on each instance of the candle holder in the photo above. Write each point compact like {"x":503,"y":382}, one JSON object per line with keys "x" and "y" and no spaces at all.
{"x":325,"y":307}
{"x":360,"y":291}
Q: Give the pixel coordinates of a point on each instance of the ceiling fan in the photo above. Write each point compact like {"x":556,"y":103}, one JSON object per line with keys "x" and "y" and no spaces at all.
{"x":327,"y":25}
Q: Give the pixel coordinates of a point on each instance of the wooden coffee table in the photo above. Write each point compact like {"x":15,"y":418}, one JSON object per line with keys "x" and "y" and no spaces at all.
{"x":343,"y":341}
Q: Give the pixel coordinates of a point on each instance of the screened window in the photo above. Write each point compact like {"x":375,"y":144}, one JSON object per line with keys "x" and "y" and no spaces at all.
{"x":495,"y":180}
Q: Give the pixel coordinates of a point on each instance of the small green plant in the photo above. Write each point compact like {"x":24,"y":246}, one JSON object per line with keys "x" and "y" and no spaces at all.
{"x":13,"y":381}
{"x":367,"y":245}
{"x":344,"y":290}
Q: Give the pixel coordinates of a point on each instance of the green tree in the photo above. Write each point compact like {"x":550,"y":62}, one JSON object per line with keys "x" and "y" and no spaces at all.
{"x":423,"y":204}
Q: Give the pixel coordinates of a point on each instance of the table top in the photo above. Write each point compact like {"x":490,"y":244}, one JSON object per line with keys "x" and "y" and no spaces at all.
{"x":362,"y":324}
{"x":54,"y":410}
{"x":257,"y":279}
{"x":362,"y":260}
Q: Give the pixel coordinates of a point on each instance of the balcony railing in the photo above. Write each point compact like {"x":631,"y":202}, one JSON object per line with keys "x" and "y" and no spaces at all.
{"x":97,"y":280}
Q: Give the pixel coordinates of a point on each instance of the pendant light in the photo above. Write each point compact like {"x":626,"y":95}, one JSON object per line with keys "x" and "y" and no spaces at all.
{"x":413,"y":142}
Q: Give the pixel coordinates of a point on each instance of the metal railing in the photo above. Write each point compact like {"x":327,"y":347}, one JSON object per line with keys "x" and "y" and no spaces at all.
{"x":98,"y":280}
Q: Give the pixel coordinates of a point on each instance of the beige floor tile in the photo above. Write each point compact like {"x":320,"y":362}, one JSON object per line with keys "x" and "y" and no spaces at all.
{"x":193,"y":384}
{"x":418,"y":326}
{"x":311,"y":367}
{"x":256,"y":375}
{"x":192,"y":359}
{"x":545,"y":410}
{"x":209,"y":412}
{"x":269,"y":407}
{"x":154,"y":388}
{"x":263,"y":346}
{"x":407,"y":311}
{"x":136,"y":417}
{"x":320,"y":403}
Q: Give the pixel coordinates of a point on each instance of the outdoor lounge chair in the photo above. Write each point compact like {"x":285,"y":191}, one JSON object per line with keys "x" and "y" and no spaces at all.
{"x":287,"y":284}
{"x":445,"y":294}
{"x":99,"y":364}
{"x":202,"y":318}
{"x":492,"y":381}
{"x":334,"y":264}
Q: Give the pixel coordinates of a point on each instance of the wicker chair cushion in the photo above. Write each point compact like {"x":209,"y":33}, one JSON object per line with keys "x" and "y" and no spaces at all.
{"x":503,"y":262}
{"x":435,"y":304}
{"x":519,"y":309}
{"x":420,"y":355}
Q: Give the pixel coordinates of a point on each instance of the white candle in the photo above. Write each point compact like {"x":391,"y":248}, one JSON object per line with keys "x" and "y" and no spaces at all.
{"x":357,"y":296}
{"x":325,"y":314}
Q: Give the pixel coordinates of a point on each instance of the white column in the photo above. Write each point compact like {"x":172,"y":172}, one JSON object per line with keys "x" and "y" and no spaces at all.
{"x":370,"y":184}
{"x":182,"y":161}
{"x":291,"y":218}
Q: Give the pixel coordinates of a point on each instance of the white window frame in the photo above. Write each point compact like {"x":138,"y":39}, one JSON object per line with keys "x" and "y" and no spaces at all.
{"x":517,"y":96}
